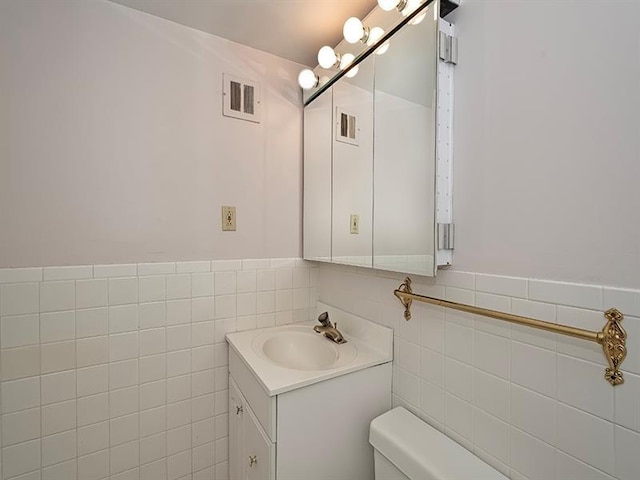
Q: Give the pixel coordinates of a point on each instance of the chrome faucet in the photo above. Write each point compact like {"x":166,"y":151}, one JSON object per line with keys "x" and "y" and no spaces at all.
{"x":330,"y":331}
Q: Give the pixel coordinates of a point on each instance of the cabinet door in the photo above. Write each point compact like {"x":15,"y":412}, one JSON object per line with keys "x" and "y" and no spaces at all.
{"x":236,"y":431}
{"x":259,"y":452}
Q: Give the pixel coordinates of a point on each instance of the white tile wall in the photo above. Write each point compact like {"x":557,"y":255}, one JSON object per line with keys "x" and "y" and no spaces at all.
{"x":119,"y":372}
{"x":534,"y":405}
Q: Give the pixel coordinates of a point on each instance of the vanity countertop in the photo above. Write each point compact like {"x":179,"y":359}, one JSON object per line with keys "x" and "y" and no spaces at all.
{"x":368,"y":344}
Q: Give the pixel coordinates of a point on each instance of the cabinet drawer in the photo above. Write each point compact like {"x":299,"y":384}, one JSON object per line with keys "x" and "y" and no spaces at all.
{"x":263,"y":406}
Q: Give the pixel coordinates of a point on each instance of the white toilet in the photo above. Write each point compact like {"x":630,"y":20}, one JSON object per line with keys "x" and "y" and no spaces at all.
{"x":406,"y":448}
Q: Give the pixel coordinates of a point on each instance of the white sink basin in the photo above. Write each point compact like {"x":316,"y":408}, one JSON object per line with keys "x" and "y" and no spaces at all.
{"x":300,"y":348}
{"x":287,"y":357}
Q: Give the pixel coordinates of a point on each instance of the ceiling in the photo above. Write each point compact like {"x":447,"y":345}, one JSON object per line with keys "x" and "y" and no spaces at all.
{"x":293,"y":29}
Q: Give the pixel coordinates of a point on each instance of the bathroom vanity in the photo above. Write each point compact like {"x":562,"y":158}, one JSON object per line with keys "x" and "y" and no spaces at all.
{"x":300,"y":405}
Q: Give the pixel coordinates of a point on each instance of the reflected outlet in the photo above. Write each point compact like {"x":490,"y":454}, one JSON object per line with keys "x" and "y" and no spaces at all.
{"x":354,"y":223}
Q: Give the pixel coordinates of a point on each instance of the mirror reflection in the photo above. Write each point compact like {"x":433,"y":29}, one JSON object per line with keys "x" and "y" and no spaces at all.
{"x":370,"y":158}
{"x":404,"y":146}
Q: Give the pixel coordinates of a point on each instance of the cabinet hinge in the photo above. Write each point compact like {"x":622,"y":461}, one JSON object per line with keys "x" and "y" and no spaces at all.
{"x":448,"y":48}
{"x":445,"y":236}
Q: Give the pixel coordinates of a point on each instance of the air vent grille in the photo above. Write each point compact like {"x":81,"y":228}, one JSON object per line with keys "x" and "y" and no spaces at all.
{"x":241,"y":98}
{"x":346,"y":127}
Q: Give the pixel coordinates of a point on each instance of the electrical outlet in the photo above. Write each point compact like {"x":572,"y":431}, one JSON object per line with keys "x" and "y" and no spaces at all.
{"x":354,"y":224}
{"x":228,"y":219}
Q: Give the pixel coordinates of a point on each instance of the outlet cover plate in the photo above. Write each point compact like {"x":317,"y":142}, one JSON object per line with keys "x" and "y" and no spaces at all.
{"x":228,"y":219}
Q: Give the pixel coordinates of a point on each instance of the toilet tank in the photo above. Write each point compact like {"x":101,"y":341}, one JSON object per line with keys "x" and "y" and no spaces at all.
{"x":408,"y":448}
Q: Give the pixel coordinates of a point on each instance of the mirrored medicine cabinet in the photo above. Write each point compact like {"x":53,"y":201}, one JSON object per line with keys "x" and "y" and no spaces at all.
{"x":377,"y":152}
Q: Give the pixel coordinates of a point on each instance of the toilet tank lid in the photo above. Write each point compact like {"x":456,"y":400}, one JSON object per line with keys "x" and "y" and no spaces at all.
{"x":422,"y":452}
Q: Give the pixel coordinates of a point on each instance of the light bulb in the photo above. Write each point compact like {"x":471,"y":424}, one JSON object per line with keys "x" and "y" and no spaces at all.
{"x":376,"y":34}
{"x":327,"y":57}
{"x":353,"y":72}
{"x":346,"y":60}
{"x":418,"y":19}
{"x":388,"y":5}
{"x":353,"y":30}
{"x":307,"y":79}
{"x":410,"y":7}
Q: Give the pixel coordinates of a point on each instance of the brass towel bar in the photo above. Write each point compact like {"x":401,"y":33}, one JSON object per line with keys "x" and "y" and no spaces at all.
{"x":612,"y":337}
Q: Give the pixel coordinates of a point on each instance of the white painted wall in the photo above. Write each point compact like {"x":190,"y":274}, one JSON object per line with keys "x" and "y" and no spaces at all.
{"x":113,"y":147}
{"x":547,"y":140}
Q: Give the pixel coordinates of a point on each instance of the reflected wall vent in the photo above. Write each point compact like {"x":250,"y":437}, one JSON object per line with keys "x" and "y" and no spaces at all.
{"x":347,"y":130}
{"x":240,"y":98}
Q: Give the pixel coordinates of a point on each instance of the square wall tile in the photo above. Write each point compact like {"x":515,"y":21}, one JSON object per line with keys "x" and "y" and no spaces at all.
{"x":153,"y":448}
{"x":94,"y":466}
{"x":202,"y":284}
{"x":20,"y":298}
{"x":542,"y":424}
{"x":123,"y":402}
{"x":580,"y":385}
{"x":627,"y":402}
{"x":534,"y":368}
{"x":178,"y":312}
{"x":178,"y":286}
{"x":491,"y":435}
{"x":57,"y":326}
{"x":93,"y":409}
{"x":225,"y":283}
{"x":58,"y":448}
{"x":202,"y":309}
{"x":459,"y":416}
{"x":153,"y":421}
{"x":56,"y":296}
{"x":124,"y":457}
{"x":123,"y":318}
{"x":93,"y":438}
{"x":20,"y":394}
{"x":20,"y":362}
{"x":152,"y":288}
{"x":532,"y":457}
{"x":91,"y":293}
{"x":246,"y":281}
{"x":92,"y":322}
{"x":153,"y":368}
{"x":491,"y":394}
{"x":491,"y":354}
{"x":265,"y":280}
{"x":123,"y":374}
{"x":123,"y":346}
{"x":92,"y":351}
{"x":627,"y":448}
{"x":58,"y":417}
{"x":56,"y":357}
{"x":58,"y":387}
{"x":20,"y":331}
{"x":92,"y":380}
{"x":21,"y":458}
{"x":20,"y":426}
{"x":594,"y":444}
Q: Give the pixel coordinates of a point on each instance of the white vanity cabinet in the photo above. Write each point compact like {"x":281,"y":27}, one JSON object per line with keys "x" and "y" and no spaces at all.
{"x":294,"y":420}
{"x":316,"y":432}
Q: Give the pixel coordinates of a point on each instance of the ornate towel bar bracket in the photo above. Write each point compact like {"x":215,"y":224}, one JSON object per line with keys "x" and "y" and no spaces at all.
{"x":612,"y":337}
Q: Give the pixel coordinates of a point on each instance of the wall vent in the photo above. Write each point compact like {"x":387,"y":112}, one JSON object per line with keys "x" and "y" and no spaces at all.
{"x":347,"y":130}
{"x":240,"y":98}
